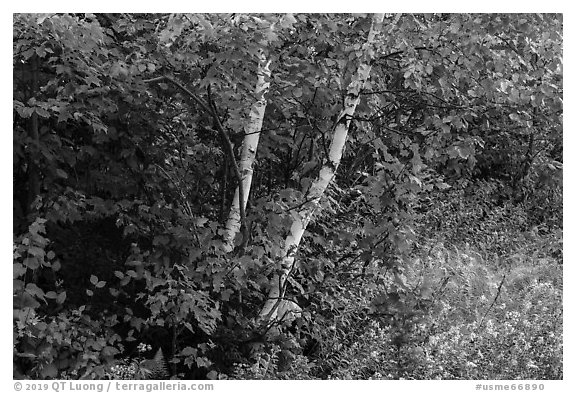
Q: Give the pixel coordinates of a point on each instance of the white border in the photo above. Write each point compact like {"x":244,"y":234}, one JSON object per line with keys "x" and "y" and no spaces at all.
{"x":302,"y":6}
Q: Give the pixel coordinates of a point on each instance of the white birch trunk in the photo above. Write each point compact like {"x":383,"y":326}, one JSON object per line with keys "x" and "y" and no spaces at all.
{"x":248,"y":152}
{"x":275,"y":307}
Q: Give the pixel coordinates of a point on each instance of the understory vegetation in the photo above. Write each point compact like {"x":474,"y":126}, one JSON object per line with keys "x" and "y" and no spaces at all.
{"x":399,"y":217}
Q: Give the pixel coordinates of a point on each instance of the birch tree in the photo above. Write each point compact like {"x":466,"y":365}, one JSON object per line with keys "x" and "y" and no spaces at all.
{"x":275,"y":306}
{"x":248,"y":152}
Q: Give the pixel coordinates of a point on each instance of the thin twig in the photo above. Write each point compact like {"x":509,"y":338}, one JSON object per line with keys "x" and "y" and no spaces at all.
{"x":187,"y":206}
{"x":493,"y":301}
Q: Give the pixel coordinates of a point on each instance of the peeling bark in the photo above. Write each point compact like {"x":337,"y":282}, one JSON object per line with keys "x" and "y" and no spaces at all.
{"x":248,"y":153}
{"x":275,"y":303}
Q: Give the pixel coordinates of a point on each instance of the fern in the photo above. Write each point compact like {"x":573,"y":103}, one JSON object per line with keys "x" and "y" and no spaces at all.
{"x":155,"y":368}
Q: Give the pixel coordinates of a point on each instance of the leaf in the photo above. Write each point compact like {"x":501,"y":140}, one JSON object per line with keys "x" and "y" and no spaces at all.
{"x":89,"y":292}
{"x":56,"y":266}
{"x":18,"y":270}
{"x":200,"y":221}
{"x":24,"y":112}
{"x":100,"y":284}
{"x":93,"y":279}
{"x":61,"y":297}
{"x":49,"y":371}
{"x":36,"y":251}
{"x":189,"y":351}
{"x":24,"y":300}
{"x":34,"y":290}
{"x":61,"y":173}
{"x":203,"y":362}
{"x":42,"y":112}
{"x":109,"y":351}
{"x":287,"y":21}
{"x":132,"y":273}
{"x":225,"y":294}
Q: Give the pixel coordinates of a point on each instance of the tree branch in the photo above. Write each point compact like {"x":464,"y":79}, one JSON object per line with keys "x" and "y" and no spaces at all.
{"x":194,"y":97}
{"x":210,"y":108}
{"x":228,"y":144}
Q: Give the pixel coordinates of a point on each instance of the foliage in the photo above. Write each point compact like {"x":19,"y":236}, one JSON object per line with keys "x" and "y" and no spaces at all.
{"x":140,"y":367}
{"x":437,"y":247}
{"x":458,"y":336}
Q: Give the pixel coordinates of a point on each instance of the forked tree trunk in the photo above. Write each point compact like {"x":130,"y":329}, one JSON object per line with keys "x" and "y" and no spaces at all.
{"x":276,"y":307}
{"x":248,"y":151}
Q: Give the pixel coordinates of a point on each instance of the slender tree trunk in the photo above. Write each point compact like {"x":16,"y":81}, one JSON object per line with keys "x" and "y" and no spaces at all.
{"x":33,"y":170}
{"x":276,"y":307}
{"x":248,"y":151}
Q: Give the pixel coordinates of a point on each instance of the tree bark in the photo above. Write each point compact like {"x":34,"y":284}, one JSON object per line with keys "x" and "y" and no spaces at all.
{"x":248,"y":153}
{"x":276,"y":307}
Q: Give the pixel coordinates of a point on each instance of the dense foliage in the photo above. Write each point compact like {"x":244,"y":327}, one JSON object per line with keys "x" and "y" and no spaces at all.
{"x":437,"y":251}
